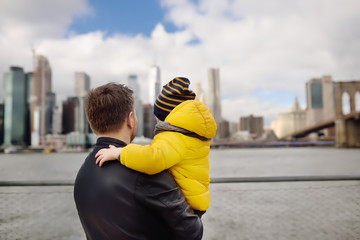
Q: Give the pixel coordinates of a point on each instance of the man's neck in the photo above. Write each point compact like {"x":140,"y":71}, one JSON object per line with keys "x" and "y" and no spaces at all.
{"x":117,"y":135}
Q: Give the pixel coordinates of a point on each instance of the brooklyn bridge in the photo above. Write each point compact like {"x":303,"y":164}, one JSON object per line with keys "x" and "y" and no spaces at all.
{"x":347,"y":126}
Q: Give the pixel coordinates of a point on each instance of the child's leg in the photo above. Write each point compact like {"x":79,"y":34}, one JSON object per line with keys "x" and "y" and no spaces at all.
{"x":199,"y":213}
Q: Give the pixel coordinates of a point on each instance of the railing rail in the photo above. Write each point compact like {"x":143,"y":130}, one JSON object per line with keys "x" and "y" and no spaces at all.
{"x":32,"y":183}
{"x":53,"y":183}
{"x":286,"y":179}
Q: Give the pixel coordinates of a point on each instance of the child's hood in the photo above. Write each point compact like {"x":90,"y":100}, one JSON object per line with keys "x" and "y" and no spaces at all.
{"x":193,"y":116}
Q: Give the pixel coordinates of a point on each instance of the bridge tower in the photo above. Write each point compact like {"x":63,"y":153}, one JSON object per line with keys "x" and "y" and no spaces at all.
{"x":347,"y":128}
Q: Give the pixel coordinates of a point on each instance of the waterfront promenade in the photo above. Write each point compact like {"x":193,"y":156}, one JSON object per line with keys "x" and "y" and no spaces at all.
{"x":276,"y":210}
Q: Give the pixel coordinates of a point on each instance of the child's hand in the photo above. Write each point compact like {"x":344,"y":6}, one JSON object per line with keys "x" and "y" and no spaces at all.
{"x":107,"y":154}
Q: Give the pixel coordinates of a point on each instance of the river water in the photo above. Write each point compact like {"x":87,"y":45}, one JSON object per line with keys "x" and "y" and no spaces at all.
{"x":247,"y":162}
{"x":237,"y":211}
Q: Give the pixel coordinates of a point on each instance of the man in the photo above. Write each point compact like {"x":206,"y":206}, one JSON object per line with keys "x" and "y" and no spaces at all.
{"x":115,"y":202}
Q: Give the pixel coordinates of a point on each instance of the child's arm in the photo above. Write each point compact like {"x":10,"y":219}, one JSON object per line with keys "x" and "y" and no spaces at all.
{"x":162,"y":154}
{"x":107,"y":154}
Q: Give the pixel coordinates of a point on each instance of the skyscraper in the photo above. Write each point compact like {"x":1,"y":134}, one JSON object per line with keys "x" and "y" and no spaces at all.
{"x":81,"y":84}
{"x":29,"y":76}
{"x":41,"y":86}
{"x":69,"y":115}
{"x":57,"y":120}
{"x":50,"y":103}
{"x":149,"y":120}
{"x":1,"y":123}
{"x":154,"y":83}
{"x":15,"y":107}
{"x":133,"y":85}
{"x":214,"y":97}
{"x":255,"y":125}
{"x":224,"y":129}
{"x":81,"y":88}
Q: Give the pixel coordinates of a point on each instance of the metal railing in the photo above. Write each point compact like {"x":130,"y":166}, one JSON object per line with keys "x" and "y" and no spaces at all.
{"x":301,"y":207}
{"x":213,"y":180}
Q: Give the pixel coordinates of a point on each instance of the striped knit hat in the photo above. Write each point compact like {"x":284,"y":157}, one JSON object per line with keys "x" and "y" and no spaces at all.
{"x":172,"y":94}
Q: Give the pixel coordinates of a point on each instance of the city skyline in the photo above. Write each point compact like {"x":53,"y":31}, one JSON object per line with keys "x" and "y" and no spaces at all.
{"x":28,"y":97}
{"x":82,"y":85}
{"x":265,"y":51}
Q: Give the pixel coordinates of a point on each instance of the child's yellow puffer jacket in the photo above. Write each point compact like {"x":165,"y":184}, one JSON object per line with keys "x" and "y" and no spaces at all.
{"x":186,"y":157}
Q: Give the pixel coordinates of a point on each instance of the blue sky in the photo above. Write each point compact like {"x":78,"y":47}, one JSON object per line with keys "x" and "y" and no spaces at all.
{"x":126,"y":17}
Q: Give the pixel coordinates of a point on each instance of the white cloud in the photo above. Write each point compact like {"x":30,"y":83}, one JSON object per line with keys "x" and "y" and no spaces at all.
{"x":109,"y":59}
{"x":31,"y":20}
{"x":276,"y":45}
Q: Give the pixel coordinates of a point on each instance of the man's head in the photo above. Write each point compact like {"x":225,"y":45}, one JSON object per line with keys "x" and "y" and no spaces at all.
{"x":109,"y":108}
{"x":172,"y":94}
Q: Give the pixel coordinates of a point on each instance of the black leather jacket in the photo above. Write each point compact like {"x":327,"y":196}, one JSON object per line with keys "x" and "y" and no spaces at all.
{"x":115,"y":202}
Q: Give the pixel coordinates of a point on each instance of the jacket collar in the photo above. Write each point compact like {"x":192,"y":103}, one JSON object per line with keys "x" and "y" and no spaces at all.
{"x":106,"y":141}
{"x":167,"y":127}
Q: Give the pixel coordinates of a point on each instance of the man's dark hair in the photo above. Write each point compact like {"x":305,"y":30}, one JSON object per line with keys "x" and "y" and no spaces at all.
{"x":108,"y":106}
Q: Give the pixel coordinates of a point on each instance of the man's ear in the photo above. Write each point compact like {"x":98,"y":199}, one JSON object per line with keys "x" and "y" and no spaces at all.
{"x":131,"y":120}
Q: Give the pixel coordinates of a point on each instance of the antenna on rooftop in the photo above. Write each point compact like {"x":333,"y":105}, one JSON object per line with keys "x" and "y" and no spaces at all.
{"x":34,"y":58}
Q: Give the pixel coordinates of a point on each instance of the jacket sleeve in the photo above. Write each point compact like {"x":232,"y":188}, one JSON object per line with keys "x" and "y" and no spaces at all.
{"x":164,"y":198}
{"x":164,"y":152}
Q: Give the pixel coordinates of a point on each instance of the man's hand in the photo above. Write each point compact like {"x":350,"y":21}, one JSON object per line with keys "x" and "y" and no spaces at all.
{"x":107,"y":154}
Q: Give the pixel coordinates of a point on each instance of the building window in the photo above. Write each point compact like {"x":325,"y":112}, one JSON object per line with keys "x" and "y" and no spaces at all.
{"x":316,"y":95}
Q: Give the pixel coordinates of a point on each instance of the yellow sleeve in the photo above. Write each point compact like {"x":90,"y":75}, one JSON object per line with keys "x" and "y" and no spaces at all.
{"x":164,"y":152}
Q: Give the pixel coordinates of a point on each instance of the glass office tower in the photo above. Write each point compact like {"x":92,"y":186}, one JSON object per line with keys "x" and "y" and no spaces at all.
{"x":15,"y":107}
